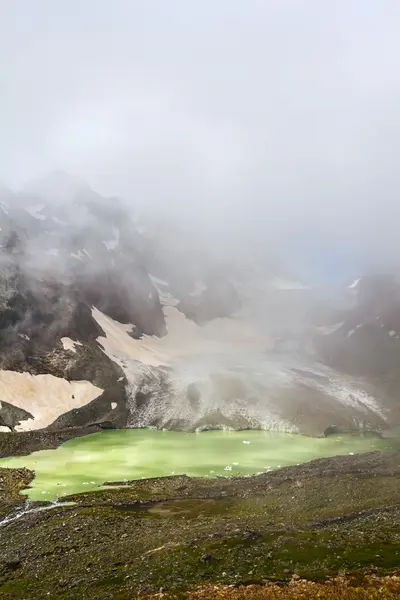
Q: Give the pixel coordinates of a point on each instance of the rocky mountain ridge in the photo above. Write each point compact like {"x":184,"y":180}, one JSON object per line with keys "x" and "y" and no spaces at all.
{"x":105,"y":320}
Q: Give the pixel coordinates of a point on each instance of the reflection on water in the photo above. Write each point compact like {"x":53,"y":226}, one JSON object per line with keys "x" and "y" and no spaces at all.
{"x":85,"y":463}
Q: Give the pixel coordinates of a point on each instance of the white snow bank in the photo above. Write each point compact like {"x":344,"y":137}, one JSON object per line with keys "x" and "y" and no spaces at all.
{"x":44,"y":396}
{"x":184,"y":338}
{"x":69,"y":344}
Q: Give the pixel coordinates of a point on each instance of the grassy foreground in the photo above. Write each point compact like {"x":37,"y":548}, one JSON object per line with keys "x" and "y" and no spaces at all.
{"x":282,"y":535}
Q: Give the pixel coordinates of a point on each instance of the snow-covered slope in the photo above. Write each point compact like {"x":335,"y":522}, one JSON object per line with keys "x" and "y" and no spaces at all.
{"x":106,"y":320}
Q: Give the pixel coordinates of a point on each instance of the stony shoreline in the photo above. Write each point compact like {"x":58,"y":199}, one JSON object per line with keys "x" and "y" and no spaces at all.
{"x":178,"y":533}
{"x":25,"y":442}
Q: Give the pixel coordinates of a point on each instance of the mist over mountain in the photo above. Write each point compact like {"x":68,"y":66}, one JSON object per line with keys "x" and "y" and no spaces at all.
{"x":199,"y":299}
{"x":128,"y":322}
{"x":266,"y":124}
{"x":217,"y":178}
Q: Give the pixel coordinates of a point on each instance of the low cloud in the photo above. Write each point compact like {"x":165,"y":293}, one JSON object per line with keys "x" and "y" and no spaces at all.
{"x":263,"y":124}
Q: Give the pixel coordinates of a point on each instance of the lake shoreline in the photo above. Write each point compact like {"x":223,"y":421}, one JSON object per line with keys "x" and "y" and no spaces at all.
{"x":21,"y":443}
{"x":88,"y":462}
{"x":312,"y":521}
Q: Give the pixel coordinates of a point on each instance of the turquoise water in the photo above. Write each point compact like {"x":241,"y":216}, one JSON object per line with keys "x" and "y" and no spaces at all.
{"x":85,"y":463}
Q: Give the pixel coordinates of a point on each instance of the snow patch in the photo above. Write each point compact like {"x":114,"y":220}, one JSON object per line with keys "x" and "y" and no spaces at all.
{"x":352,"y":331}
{"x":354,"y":284}
{"x":69,"y":344}
{"x":225,"y":363}
{"x":158,"y":281}
{"x":328,"y":329}
{"x":166,"y":298}
{"x":79,"y":255}
{"x":4,"y":208}
{"x":46,"y":397}
{"x":34,"y":211}
{"x":24,"y":336}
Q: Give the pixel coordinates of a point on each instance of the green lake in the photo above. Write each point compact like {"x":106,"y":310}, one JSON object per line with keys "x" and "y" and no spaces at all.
{"x":85,"y":463}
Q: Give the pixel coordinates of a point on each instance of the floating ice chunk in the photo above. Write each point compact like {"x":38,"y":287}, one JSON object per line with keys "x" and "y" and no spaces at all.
{"x":228,"y":468}
{"x":246,"y":442}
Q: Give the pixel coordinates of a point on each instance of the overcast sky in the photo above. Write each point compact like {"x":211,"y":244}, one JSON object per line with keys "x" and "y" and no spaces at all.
{"x":280,"y":117}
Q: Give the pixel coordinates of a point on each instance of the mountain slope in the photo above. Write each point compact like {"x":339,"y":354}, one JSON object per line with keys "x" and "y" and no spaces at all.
{"x":105,"y":320}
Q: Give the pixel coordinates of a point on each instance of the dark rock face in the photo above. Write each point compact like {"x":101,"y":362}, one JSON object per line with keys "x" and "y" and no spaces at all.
{"x":10,"y":415}
{"x":56,"y":262}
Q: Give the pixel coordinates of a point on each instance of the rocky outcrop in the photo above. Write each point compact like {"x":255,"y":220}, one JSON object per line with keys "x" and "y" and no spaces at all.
{"x":10,"y":415}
